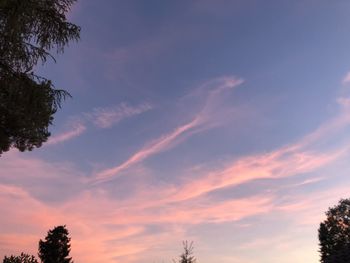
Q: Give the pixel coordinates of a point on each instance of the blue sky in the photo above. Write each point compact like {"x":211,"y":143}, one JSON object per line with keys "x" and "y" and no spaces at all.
{"x":221,"y":122}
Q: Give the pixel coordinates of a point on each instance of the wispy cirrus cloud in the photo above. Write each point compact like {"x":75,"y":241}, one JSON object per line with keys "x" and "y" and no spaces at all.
{"x":153,"y":148}
{"x":303,"y":156}
{"x":100,"y":117}
{"x":287,"y":161}
{"x":107,"y":117}
{"x":270,"y":166}
{"x":75,"y":130}
{"x":300,"y":157}
{"x":202,"y":120}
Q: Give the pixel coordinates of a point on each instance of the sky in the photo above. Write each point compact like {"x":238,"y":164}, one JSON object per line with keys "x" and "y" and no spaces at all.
{"x":222,"y":122}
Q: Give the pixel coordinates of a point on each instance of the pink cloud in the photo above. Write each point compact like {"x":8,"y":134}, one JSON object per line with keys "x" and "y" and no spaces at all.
{"x":75,"y":131}
{"x":111,"y":231}
{"x":97,"y":207}
{"x":155,"y":147}
{"x":311,"y":207}
{"x":291,"y":160}
{"x":203,"y":211}
{"x":100,"y":117}
{"x":346,"y":79}
{"x":204,"y":119}
{"x":103,"y":230}
{"x":106,"y":117}
{"x":275,"y":165}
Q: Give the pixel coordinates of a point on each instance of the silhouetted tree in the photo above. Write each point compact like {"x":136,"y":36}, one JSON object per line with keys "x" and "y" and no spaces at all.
{"x":341,"y":256}
{"x":187,"y":255}
{"x":28,"y":31}
{"x":23,"y":258}
{"x":56,"y":247}
{"x":334,"y":234}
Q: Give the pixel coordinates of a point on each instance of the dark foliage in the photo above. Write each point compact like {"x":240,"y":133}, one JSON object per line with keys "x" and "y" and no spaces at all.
{"x":28,"y":31}
{"x":56,"y":247}
{"x":334,"y":234}
{"x":23,"y":258}
{"x":187,"y":255}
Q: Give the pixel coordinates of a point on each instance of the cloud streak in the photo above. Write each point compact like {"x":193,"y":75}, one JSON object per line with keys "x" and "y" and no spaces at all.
{"x":292,"y":160}
{"x":107,"y":117}
{"x":157,"y":146}
{"x":202,"y":120}
{"x":304,"y":156}
{"x":102,"y":118}
{"x":270,"y":166}
{"x":76,"y":130}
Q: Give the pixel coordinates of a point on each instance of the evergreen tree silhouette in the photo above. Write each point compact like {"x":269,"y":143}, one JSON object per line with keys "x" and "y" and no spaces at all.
{"x":56,"y":247}
{"x":187,"y":255}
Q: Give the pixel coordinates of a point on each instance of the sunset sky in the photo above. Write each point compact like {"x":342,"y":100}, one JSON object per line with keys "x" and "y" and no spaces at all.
{"x":222,"y":122}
